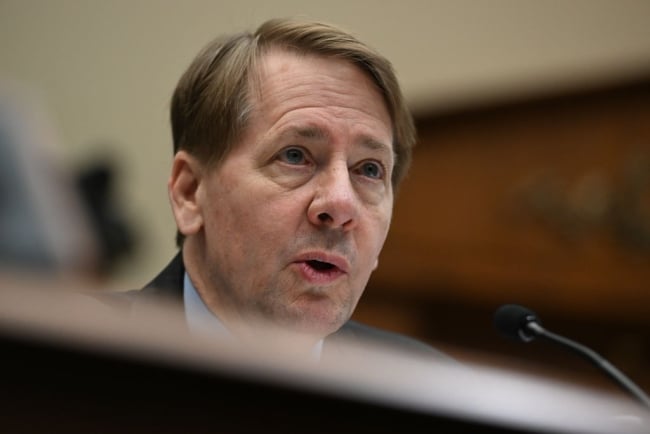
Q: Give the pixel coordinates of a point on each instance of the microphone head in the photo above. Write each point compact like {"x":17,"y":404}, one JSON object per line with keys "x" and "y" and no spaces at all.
{"x":511,"y":320}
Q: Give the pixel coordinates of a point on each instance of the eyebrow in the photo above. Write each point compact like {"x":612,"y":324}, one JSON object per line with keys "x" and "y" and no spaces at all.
{"x":317,"y":133}
{"x":311,"y":133}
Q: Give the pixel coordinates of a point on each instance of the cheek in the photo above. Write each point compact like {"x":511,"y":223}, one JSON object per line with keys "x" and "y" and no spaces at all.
{"x":374,"y":236}
{"x":245,"y":217}
{"x":226,"y":220}
{"x":379,"y":237}
{"x":382,"y":218}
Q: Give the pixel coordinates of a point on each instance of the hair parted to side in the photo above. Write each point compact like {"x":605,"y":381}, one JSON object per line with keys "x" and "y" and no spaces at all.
{"x":211,"y":106}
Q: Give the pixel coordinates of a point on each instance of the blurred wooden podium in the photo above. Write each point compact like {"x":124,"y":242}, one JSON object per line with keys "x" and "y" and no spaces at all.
{"x":72,"y":365}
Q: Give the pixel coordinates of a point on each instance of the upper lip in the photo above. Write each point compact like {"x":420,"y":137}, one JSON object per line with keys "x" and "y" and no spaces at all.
{"x":339,"y":262}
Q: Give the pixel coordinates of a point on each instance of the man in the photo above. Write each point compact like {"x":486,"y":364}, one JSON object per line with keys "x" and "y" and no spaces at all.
{"x":289,"y":144}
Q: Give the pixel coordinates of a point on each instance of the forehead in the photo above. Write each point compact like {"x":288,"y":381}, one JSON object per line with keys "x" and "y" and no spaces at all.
{"x":276,"y":65}
{"x":284,"y":81}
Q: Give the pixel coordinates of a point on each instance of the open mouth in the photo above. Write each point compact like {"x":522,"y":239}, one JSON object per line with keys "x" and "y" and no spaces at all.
{"x":320,"y":272}
{"x":320,"y":266}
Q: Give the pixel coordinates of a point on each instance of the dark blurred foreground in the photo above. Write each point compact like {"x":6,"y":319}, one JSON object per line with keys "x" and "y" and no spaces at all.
{"x":71,"y":364}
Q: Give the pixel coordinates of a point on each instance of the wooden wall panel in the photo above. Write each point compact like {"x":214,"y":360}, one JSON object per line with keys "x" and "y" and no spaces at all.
{"x":543,"y":202}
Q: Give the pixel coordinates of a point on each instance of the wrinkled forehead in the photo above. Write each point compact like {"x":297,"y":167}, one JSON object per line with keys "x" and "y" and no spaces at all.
{"x":292,"y":84}
{"x":274,"y":65}
{"x":260,"y":66}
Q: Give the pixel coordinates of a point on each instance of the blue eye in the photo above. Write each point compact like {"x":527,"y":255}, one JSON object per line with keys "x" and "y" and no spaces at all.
{"x":371,"y":170}
{"x":293,"y":156}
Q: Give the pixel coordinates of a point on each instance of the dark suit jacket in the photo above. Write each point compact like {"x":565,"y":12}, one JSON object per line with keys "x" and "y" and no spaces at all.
{"x":169,"y":285}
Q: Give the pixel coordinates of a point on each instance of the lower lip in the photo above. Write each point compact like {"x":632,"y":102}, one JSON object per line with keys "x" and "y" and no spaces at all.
{"x":319,"y":277}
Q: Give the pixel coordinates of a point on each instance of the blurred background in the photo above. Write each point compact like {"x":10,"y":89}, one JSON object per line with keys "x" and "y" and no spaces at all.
{"x":531,"y":181}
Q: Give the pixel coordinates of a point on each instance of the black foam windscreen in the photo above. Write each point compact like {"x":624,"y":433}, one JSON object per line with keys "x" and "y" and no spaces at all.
{"x":511,"y":321}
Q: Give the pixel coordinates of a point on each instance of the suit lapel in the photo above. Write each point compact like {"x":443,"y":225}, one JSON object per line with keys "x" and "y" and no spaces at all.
{"x":169,"y":283}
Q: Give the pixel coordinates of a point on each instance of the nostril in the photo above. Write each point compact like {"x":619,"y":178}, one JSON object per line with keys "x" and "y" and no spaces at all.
{"x":324,"y":217}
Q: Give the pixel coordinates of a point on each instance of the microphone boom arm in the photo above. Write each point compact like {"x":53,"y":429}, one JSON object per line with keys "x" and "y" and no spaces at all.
{"x":595,"y":358}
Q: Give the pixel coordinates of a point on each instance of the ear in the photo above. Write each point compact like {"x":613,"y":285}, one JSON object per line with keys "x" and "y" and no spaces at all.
{"x":183,"y":187}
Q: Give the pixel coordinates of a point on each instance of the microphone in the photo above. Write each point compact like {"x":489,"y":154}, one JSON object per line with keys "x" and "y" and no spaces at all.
{"x":519,"y":323}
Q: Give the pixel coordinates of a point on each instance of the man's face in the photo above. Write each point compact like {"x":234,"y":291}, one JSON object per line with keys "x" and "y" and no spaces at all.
{"x":294,"y":218}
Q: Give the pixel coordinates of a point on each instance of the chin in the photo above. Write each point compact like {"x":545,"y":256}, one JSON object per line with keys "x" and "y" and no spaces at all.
{"x":318,"y":324}
{"x":312,"y":315}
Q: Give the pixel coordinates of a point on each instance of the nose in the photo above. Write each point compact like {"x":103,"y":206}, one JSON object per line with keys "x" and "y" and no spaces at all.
{"x":335,"y":203}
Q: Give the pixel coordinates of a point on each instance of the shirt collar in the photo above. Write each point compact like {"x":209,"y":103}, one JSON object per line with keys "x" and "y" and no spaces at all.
{"x":199,"y":318}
